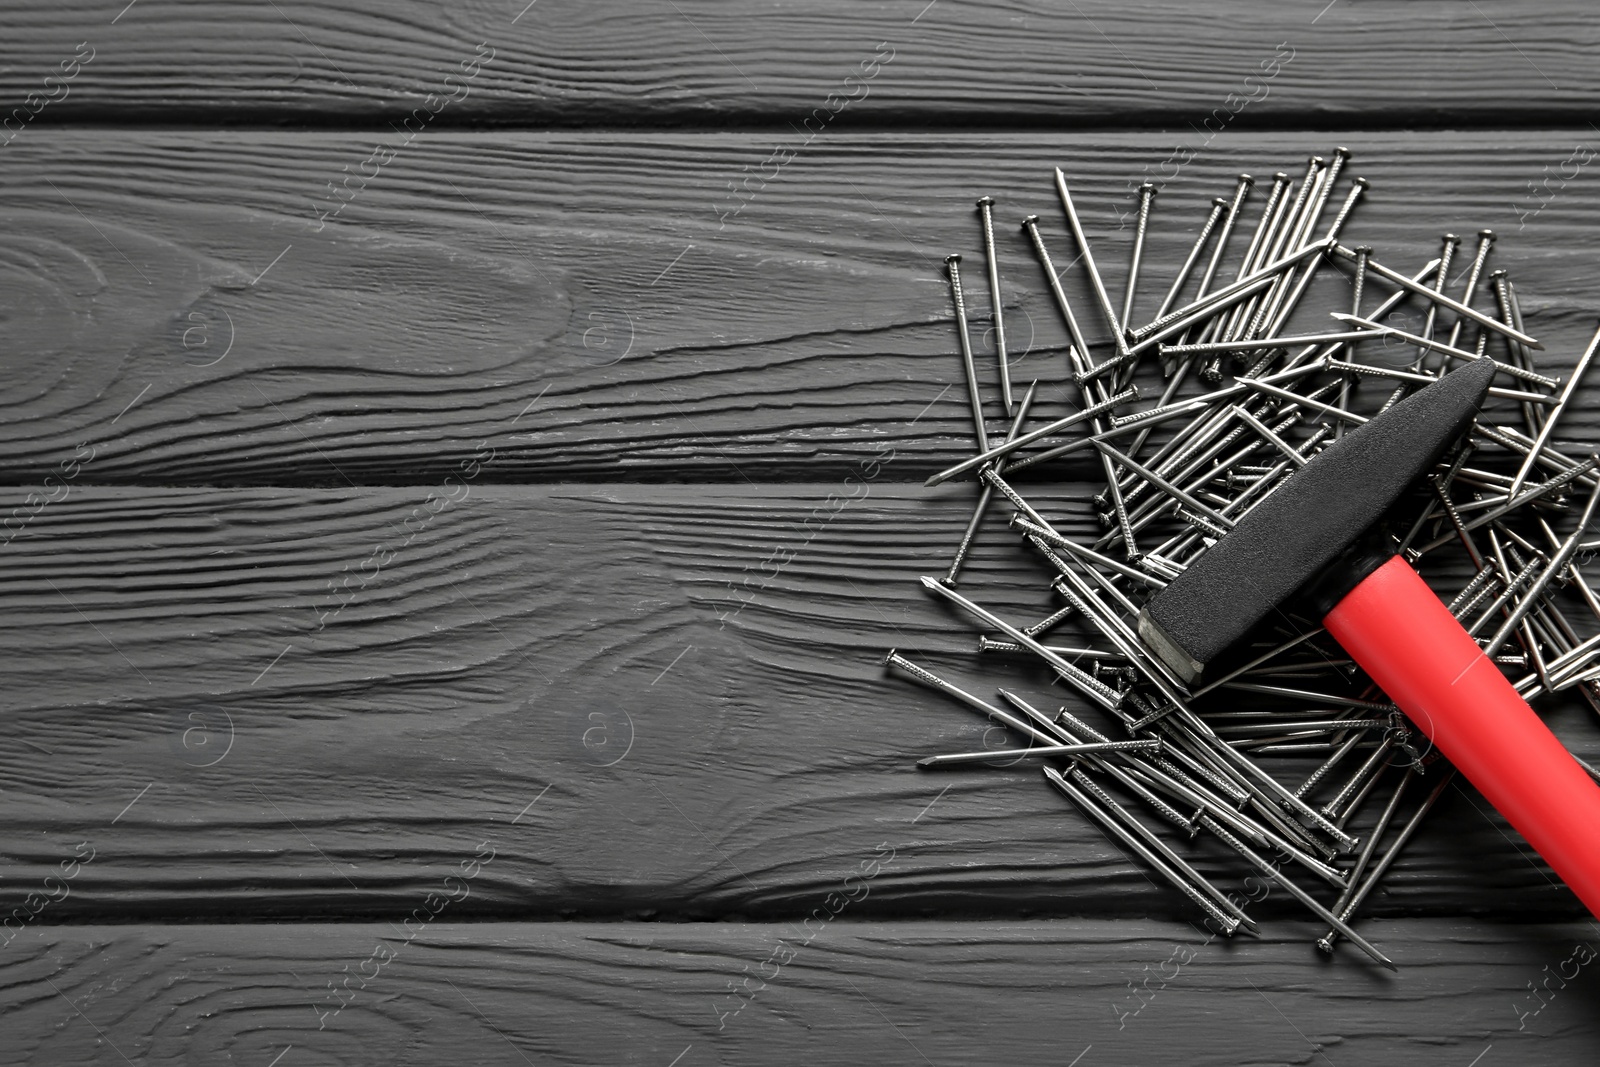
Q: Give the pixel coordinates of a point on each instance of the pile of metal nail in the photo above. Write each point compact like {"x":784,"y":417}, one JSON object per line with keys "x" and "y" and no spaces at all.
{"x":1169,"y":765}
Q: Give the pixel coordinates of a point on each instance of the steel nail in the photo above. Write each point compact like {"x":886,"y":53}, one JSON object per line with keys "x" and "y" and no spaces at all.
{"x":1327,"y":941}
{"x":1150,"y":856}
{"x":1030,"y":226}
{"x":1048,"y":621}
{"x":1540,"y":441}
{"x":1447,"y":252}
{"x":1193,"y":257}
{"x":964,"y":759}
{"x":1299,"y":894}
{"x":1394,"y":276}
{"x":953,"y":267}
{"x":1555,"y":567}
{"x":983,"y":498}
{"x":1485,"y":242}
{"x":1147,"y":192}
{"x":986,"y":210}
{"x":989,"y":644}
{"x":989,"y":456}
{"x":1081,"y":680}
{"x":933,"y":681}
{"x":1095,"y":282}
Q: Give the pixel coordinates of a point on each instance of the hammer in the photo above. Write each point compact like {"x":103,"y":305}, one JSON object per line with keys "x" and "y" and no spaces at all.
{"x":1314,"y":539}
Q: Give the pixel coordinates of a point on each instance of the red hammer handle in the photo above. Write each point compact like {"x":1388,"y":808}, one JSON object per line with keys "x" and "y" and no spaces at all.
{"x":1409,"y":643}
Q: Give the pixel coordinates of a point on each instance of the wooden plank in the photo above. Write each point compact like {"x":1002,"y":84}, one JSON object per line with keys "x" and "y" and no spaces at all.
{"x":572,"y":300}
{"x":692,"y":62}
{"x":657,"y":701}
{"x":1108,"y":993}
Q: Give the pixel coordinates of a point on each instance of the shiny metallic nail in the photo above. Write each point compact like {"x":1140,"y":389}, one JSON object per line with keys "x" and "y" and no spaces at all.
{"x":1173,"y":859}
{"x":1299,"y":894}
{"x":1048,"y":621}
{"x":1454,"y":353}
{"x":1147,"y":192}
{"x":1369,"y":766}
{"x":983,"y":498}
{"x":989,"y":456}
{"x":1394,"y":276}
{"x":1533,"y":416}
{"x":1485,"y":242}
{"x":989,"y":644}
{"x":964,"y":759}
{"x":953,"y":267}
{"x":1083,"y":552}
{"x":1358,"y":188}
{"x":1283,"y":309}
{"x":1550,"y":485}
{"x":1555,"y":413}
{"x":986,"y":210}
{"x":1193,"y":257}
{"x":1147,"y":337}
{"x":1030,"y":226}
{"x":1327,"y":766}
{"x":1447,"y":253}
{"x":1073,"y":674}
{"x":1149,"y":855}
{"x":1327,"y":941}
{"x":1095,"y":283}
{"x":1221,"y":521}
{"x":1556,"y":566}
{"x":933,"y":681}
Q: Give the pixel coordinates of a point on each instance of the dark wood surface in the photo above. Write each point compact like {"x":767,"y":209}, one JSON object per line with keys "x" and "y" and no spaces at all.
{"x":1129,"y":993}
{"x":619,"y":63}
{"x":643,"y":397}
{"x":293,"y":757}
{"x":576,"y":301}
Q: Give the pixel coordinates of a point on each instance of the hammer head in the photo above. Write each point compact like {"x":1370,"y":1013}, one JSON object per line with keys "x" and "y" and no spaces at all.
{"x":1319,"y":512}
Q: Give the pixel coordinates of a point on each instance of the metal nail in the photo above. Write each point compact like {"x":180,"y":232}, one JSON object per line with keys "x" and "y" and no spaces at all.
{"x":1485,"y":242}
{"x":1454,"y":353}
{"x":1328,"y":940}
{"x":989,"y":644}
{"x":1095,"y":282}
{"x":1447,"y":252}
{"x":1555,"y":413}
{"x":1299,"y":894}
{"x":933,"y":681}
{"x":1079,"y":679}
{"x":1193,"y":257}
{"x":988,"y":456}
{"x":986,"y":210}
{"x":1557,"y":564}
{"x":953,"y":267}
{"x":1374,"y":267}
{"x":1128,"y":838}
{"x":964,"y":759}
{"x":1147,"y":192}
{"x":1030,"y":226}
{"x":983,"y":498}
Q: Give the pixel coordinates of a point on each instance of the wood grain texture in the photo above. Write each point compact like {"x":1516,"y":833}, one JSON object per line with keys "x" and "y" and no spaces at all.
{"x":656,"y":701}
{"x":912,"y":992}
{"x":565,"y":62}
{"x":572,"y":299}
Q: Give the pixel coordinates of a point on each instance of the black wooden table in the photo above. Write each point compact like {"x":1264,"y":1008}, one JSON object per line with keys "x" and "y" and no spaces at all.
{"x":433,"y":630}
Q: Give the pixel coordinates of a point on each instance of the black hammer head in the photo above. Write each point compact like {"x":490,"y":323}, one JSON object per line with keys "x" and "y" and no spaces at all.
{"x":1306,"y":523}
